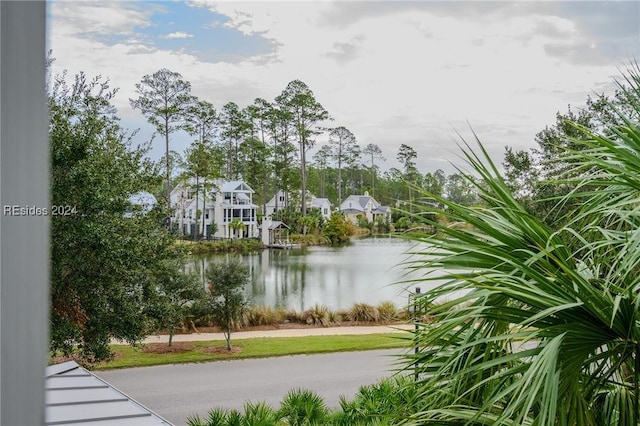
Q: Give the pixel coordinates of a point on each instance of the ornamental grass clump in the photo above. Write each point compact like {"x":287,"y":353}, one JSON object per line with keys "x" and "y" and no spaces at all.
{"x":363,"y":312}
{"x":387,"y":312}
{"x":263,"y":315}
{"x":317,"y":315}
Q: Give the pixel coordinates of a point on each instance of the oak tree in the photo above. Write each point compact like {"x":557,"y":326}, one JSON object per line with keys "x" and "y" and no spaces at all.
{"x":106,"y":269}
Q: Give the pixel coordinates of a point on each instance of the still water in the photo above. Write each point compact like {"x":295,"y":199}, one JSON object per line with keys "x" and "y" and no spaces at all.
{"x":368,"y":270}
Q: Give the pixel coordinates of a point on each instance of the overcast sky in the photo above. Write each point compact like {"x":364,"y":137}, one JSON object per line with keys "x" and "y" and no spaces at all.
{"x":391,"y":72}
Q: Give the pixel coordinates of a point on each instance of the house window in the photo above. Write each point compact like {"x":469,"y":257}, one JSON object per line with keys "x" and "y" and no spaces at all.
{"x":206,"y":214}
{"x":281,"y":198}
{"x":190,"y":213}
{"x":326,"y":211}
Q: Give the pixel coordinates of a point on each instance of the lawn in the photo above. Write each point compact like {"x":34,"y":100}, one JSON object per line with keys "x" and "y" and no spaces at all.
{"x":261,"y":347}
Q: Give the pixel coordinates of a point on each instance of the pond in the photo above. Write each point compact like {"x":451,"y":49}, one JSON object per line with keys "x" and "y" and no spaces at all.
{"x":368,"y":270}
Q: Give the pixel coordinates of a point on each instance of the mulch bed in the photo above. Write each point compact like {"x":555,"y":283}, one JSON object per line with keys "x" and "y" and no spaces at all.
{"x":179,"y":347}
{"x":222,"y":350}
{"x":164,"y":348}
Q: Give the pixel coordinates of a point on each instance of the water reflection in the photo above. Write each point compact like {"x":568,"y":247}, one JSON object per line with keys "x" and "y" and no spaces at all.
{"x":365,"y":271}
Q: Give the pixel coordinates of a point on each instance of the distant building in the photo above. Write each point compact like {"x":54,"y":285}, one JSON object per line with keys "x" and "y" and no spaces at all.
{"x":283,"y":199}
{"x":364,"y":205}
{"x":224,"y":203}
{"x":278,"y":202}
{"x":323,"y":204}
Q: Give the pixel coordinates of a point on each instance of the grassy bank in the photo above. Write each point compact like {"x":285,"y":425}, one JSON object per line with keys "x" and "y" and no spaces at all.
{"x":184,"y":352}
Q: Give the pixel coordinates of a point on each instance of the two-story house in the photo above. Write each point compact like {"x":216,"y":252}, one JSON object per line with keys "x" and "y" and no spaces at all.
{"x":281,"y":200}
{"x":234,"y":202}
{"x":365,"y":205}
{"x":224,"y":203}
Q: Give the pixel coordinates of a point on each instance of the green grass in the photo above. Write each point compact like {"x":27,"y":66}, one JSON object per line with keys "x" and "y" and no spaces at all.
{"x":261,"y":347}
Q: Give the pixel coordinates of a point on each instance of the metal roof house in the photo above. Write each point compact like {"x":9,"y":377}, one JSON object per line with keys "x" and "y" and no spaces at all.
{"x":225,"y":202}
{"x":365,"y":205}
{"x":283,"y":199}
{"x":74,"y":396}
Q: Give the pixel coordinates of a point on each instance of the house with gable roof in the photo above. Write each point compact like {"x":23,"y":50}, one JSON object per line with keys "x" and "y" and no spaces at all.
{"x":224,"y":203}
{"x":365,"y":205}
{"x":282,"y":199}
{"x":235,"y":202}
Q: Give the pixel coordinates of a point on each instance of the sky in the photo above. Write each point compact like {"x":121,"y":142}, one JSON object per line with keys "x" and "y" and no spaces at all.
{"x":424,"y":73}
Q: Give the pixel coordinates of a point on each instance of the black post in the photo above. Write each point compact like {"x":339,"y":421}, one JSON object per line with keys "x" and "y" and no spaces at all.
{"x":416,"y":319}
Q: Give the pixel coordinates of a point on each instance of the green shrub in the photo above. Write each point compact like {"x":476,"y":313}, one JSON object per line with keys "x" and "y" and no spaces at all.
{"x":260,"y":414}
{"x":403,"y":223}
{"x":301,"y":407}
{"x":313,"y":239}
{"x":337,"y":230}
{"x":217,"y":417}
{"x":383,"y":403}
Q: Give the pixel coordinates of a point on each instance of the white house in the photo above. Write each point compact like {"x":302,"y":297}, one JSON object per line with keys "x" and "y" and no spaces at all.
{"x":234,"y":201}
{"x":277,"y":202}
{"x":225,"y":203}
{"x":281,"y":199}
{"x":323,"y":204}
{"x":365,"y":205}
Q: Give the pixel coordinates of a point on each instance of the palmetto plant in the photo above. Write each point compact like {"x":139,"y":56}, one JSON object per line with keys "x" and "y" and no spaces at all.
{"x":237,"y":226}
{"x":533,"y":325}
{"x":302,"y":407}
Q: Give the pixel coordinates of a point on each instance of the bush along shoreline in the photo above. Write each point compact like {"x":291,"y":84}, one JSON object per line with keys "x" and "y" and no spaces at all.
{"x":315,"y":316}
{"x":252,"y":245}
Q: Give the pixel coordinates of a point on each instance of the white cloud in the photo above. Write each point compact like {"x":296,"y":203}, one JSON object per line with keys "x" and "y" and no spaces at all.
{"x":409,"y":76}
{"x":178,"y":34}
{"x":110,"y":18}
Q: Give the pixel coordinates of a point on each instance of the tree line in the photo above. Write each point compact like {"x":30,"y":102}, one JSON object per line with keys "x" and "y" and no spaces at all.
{"x":267,"y":144}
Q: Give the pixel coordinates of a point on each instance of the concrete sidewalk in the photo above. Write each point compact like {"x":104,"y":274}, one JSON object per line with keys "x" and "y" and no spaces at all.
{"x":289,"y":332}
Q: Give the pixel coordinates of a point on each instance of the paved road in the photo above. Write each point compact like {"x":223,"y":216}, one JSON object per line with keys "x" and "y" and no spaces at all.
{"x":177,"y":391}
